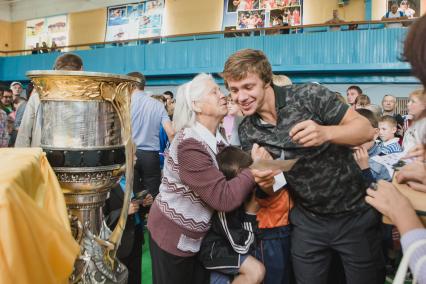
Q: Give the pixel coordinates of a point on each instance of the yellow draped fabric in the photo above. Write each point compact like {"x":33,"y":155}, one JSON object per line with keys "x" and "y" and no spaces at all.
{"x":36,"y":245}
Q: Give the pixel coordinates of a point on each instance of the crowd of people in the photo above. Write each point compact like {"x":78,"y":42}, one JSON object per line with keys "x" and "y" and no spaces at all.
{"x":216,"y":213}
{"x":216,"y":216}
{"x":44,"y":48}
{"x":13,"y":101}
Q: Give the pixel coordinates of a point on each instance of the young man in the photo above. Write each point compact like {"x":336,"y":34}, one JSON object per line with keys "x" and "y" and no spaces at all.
{"x":352,"y":93}
{"x":6,"y":101}
{"x":309,"y":122}
{"x":18,"y":91}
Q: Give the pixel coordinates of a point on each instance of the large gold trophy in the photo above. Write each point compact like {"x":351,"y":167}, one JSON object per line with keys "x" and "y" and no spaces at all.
{"x":86,"y":135}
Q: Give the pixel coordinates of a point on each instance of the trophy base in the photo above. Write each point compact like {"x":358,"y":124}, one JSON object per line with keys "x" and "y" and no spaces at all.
{"x":91,"y":267}
{"x":88,"y":271}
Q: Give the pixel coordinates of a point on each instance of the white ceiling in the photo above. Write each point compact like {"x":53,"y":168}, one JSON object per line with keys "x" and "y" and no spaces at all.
{"x":19,"y":10}
{"x":5,"y":10}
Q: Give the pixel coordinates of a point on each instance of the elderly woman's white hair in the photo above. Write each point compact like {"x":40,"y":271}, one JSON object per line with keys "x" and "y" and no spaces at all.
{"x":281,"y":80}
{"x":377,"y":110}
{"x":187,"y":94}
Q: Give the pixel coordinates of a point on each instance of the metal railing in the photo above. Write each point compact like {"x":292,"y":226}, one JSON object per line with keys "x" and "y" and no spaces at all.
{"x":343,"y":26}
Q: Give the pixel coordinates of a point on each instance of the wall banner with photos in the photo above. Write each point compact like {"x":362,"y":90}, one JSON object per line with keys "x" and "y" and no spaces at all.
{"x":49,"y":29}
{"x":251,"y":14}
{"x":137,"y":20}
{"x":410,"y":8}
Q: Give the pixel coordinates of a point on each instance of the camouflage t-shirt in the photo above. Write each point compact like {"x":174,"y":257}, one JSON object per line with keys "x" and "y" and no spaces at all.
{"x":326,"y":179}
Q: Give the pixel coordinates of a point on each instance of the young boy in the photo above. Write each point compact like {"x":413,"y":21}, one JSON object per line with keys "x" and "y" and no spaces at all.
{"x":371,"y":170}
{"x":226,"y":248}
{"x":387,"y":130}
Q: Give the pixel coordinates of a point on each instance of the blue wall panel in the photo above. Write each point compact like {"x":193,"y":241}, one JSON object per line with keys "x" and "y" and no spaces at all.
{"x":134,"y":59}
{"x":155,"y":57}
{"x":110,"y":60}
{"x":313,"y":55}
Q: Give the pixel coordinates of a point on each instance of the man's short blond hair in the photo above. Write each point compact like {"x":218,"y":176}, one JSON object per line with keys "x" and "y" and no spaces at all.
{"x":246,"y":61}
{"x":389,"y":119}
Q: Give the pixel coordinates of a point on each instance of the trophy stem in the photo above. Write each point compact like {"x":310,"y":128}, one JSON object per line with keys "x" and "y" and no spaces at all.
{"x":88,"y":210}
{"x":90,"y":231}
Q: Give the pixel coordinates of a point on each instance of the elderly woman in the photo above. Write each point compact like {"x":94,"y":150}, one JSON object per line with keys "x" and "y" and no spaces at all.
{"x":193,"y":187}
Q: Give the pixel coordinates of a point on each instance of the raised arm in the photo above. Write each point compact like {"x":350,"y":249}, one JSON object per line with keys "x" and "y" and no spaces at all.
{"x":352,"y":130}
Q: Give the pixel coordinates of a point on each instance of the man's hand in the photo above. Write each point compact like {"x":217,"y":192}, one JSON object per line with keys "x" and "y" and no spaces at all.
{"x":361,"y":157}
{"x":148,"y":200}
{"x":308,"y":133}
{"x":133,"y":207}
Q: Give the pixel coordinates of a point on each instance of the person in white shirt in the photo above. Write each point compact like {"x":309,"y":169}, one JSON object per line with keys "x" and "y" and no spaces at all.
{"x":393,"y":15}
{"x":405,"y":8}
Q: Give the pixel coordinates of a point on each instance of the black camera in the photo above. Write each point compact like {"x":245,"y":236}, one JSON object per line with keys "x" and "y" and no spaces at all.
{"x":140,"y":195}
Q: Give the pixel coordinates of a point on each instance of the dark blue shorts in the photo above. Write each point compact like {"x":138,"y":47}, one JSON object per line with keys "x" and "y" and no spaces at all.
{"x":225,"y":275}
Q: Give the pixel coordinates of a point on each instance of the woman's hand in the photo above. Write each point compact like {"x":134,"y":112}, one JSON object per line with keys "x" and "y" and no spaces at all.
{"x":414,"y":175}
{"x":391,"y":203}
{"x":259,"y":153}
{"x":265,"y":179}
{"x":387,"y":199}
{"x":417,"y":152}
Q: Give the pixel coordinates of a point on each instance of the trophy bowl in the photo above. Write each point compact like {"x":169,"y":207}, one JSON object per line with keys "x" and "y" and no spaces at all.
{"x":86,"y":135}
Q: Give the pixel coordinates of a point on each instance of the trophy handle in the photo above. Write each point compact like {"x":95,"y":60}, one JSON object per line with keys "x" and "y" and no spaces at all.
{"x":117,"y":233}
{"x":120,"y":99}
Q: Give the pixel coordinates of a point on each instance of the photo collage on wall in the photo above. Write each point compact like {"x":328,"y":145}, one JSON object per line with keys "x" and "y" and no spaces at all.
{"x":49,"y":29}
{"x":410,"y":8}
{"x":138,"y":20}
{"x":251,"y":14}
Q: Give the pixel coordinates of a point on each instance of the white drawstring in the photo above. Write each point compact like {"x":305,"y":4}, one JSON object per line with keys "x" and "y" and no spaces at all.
{"x":403,"y":266}
{"x":418,"y":267}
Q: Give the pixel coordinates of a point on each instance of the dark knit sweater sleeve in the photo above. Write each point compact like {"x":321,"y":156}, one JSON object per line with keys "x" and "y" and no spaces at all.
{"x":197,"y":170}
